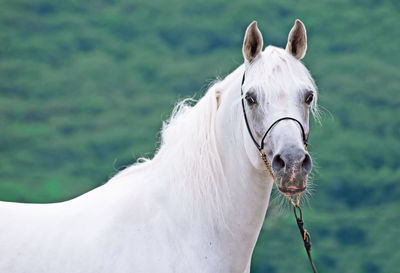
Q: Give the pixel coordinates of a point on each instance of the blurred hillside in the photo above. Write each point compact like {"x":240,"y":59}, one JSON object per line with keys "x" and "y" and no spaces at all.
{"x":85,"y":85}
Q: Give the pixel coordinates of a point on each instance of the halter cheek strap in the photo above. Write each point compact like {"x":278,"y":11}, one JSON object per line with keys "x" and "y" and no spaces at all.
{"x":260,"y":146}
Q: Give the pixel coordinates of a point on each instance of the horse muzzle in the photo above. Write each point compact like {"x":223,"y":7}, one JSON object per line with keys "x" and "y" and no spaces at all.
{"x":291,"y":168}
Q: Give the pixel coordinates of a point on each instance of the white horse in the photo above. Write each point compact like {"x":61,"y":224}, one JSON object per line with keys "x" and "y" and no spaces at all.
{"x":199,"y":204}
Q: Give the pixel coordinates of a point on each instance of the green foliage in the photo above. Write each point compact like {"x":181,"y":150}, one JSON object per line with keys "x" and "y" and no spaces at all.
{"x":85,"y":85}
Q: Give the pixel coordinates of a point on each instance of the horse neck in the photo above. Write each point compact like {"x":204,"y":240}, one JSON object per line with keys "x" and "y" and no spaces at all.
{"x":250,"y":188}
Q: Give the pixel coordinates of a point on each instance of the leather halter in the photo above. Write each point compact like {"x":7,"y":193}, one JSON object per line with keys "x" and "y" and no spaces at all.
{"x":296,"y":206}
{"x":260,"y":146}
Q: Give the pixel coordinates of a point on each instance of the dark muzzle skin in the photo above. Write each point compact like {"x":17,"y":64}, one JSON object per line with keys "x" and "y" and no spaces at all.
{"x":291,"y":168}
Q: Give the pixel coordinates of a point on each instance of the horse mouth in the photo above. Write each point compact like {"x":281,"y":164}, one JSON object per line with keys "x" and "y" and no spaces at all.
{"x":291,"y":190}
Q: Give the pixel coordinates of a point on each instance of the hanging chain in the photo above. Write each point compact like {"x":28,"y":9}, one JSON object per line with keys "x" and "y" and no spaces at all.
{"x":264,"y":158}
{"x":298,"y":214}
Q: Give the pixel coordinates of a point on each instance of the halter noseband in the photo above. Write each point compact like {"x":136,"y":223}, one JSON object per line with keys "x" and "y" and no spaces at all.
{"x":260,"y":146}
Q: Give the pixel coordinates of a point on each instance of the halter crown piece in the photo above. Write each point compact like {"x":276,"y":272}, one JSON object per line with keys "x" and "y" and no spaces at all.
{"x":296,"y":205}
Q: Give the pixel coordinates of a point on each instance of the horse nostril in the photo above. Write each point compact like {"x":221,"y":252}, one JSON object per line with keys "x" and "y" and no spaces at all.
{"x":307,"y":163}
{"x":278,"y":163}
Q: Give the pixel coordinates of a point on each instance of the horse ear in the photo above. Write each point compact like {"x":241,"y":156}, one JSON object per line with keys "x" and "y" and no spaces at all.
{"x":297,"y":40}
{"x":253,"y":42}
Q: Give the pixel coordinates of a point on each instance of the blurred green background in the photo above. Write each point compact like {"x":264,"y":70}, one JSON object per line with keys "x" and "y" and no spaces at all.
{"x":85,"y":85}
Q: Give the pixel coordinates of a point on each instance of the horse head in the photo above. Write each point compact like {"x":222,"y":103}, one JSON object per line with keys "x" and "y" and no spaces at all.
{"x":278,"y":93}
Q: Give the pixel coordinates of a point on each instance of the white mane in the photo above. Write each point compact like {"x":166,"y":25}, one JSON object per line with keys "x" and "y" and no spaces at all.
{"x":189,"y":158}
{"x":189,"y":149}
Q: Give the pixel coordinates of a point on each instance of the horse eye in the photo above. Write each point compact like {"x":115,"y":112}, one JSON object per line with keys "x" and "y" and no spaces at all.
{"x":250,"y":99}
{"x":309,"y":98}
